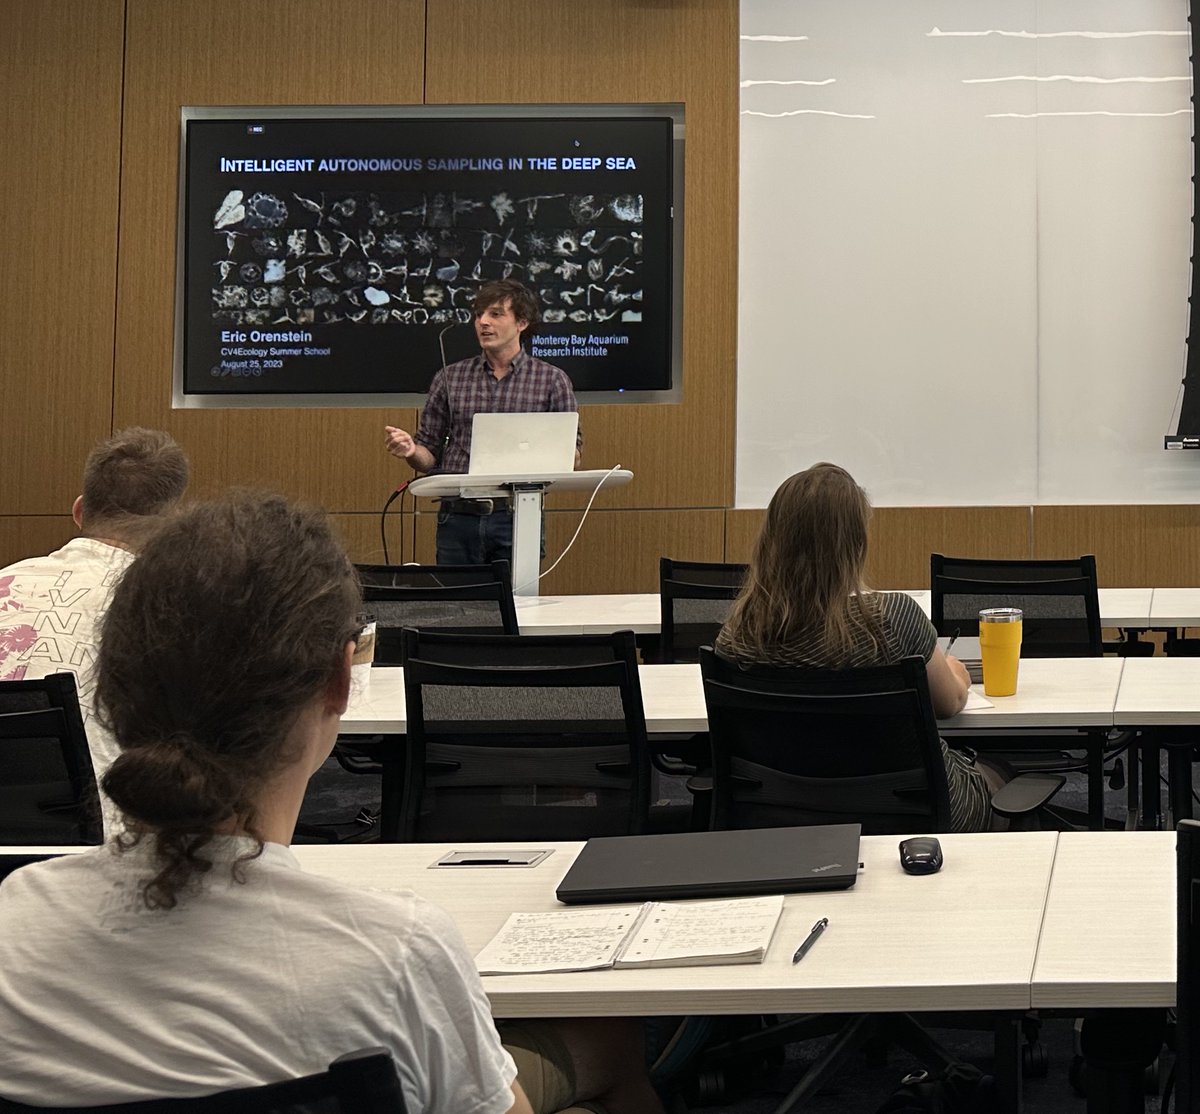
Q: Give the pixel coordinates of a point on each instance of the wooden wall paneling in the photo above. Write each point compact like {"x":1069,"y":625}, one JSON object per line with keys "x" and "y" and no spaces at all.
{"x":902,"y":538}
{"x":60,"y":133}
{"x":223,"y":52}
{"x":741,"y":530}
{"x":617,"y":551}
{"x":1135,"y":546}
{"x":542,"y":51}
{"x":30,"y":535}
{"x":360,"y":535}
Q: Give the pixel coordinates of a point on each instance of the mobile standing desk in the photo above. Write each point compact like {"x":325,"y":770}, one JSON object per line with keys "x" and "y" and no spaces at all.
{"x":526,"y":492}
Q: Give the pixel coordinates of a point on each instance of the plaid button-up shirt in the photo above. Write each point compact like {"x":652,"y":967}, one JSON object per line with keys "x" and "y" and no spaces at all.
{"x":462,"y":390}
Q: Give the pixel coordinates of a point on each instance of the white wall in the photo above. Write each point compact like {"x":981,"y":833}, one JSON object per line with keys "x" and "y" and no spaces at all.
{"x":965,"y":290}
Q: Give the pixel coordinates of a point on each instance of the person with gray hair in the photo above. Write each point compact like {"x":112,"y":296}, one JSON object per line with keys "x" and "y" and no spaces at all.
{"x":50,"y":606}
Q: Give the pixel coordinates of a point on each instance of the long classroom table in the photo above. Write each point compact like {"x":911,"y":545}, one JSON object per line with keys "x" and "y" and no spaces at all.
{"x":640,"y":611}
{"x":1051,"y":693}
{"x":1063,"y":921}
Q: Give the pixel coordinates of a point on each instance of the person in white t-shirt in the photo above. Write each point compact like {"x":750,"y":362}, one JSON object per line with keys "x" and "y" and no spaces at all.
{"x":191,"y":954}
{"x":50,"y":606}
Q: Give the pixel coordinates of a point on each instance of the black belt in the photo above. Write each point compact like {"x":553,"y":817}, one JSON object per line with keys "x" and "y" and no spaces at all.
{"x":473,"y":506}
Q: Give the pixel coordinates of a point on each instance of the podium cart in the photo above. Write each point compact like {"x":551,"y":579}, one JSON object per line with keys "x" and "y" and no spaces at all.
{"x":526,"y":493}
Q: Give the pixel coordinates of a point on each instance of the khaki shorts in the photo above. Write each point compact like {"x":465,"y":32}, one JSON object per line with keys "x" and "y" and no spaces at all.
{"x":544,"y":1067}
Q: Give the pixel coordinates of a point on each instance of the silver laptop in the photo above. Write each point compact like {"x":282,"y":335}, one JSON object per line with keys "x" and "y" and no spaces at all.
{"x":523,"y":444}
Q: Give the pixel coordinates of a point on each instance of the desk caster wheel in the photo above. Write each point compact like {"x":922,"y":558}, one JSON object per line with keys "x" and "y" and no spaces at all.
{"x":709,"y":1087}
{"x":1034,"y":1062}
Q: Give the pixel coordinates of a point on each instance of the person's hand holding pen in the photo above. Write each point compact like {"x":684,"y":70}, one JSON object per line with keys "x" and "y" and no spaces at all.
{"x":953,"y":639}
{"x":813,"y":936}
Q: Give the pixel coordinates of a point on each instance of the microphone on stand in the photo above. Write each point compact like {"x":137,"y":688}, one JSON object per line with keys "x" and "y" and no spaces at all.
{"x":442,"y":341}
{"x":402,"y":487}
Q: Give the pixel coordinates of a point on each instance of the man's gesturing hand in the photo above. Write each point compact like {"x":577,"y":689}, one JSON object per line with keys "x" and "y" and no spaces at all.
{"x":399,"y":443}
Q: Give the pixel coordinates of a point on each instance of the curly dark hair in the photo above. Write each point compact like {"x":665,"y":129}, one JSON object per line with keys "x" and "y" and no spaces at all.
{"x":523,"y":301}
{"x":233,"y":619}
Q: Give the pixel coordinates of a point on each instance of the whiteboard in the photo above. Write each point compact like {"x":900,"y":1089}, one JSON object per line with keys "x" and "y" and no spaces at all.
{"x":964,"y":240}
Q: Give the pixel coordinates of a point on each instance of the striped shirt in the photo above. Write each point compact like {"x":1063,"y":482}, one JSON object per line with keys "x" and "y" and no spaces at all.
{"x":906,"y":631}
{"x":462,"y":390}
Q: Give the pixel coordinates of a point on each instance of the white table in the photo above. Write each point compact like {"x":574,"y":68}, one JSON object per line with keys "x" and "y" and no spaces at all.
{"x":1108,"y":935}
{"x":639,"y":611}
{"x":1126,"y":607}
{"x":1051,"y":693}
{"x":877,"y":954}
{"x":1162,"y":694}
{"x":1175,"y":607}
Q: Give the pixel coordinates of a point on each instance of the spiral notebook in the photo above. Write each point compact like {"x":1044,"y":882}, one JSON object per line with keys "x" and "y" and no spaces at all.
{"x":656,"y":934}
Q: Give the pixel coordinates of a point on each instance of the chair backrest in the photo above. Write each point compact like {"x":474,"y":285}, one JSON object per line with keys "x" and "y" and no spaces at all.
{"x":818,"y":746}
{"x":363,"y":1082}
{"x":1187,"y":979}
{"x":47,"y":784}
{"x":1060,"y":601}
{"x":695,"y":598}
{"x":523,"y":738}
{"x":458,"y":598}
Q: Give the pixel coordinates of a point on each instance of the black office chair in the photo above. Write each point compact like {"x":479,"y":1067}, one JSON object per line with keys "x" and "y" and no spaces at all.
{"x":694,"y":602}
{"x":461,"y":598}
{"x":47,"y":785}
{"x":1060,"y":602}
{"x":695,"y":598}
{"x":522,"y":738}
{"x":816,"y":746}
{"x":819,"y":746}
{"x":363,"y":1082}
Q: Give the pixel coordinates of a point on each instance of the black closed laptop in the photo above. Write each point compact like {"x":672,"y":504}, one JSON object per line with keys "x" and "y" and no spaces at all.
{"x":713,"y":864}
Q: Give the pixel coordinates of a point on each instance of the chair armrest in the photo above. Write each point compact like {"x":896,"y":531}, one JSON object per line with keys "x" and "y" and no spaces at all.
{"x":1026,"y":793}
{"x":699,"y":783}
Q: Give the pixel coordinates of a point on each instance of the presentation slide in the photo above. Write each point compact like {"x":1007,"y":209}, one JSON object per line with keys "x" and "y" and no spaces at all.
{"x":341,"y":255}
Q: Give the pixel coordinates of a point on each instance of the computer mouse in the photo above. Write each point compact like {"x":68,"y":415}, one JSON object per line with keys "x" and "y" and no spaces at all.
{"x":921,"y":855}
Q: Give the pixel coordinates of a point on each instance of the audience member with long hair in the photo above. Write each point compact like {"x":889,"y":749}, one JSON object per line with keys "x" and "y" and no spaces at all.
{"x":192,"y":954}
{"x":806,"y":604}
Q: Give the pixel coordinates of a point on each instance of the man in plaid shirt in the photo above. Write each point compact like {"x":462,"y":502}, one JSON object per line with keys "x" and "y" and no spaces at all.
{"x":503,"y":378}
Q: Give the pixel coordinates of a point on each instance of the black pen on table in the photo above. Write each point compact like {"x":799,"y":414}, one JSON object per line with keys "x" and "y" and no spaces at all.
{"x":810,"y":939}
{"x":953,"y":639}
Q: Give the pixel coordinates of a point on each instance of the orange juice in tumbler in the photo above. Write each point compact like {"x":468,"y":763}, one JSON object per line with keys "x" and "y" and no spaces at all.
{"x":1000,"y":649}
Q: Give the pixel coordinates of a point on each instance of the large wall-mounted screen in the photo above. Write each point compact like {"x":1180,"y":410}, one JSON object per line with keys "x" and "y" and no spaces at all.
{"x":337,"y":252}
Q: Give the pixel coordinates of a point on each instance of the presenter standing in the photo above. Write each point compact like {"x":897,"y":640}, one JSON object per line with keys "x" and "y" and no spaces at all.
{"x":503,"y":378}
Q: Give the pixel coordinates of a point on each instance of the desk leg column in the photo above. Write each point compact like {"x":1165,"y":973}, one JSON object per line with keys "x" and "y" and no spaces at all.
{"x":1149,"y":751}
{"x":527,"y":540}
{"x":1008,"y":1063}
{"x":1179,"y":778}
{"x":391,"y":787}
{"x":1095,"y":779}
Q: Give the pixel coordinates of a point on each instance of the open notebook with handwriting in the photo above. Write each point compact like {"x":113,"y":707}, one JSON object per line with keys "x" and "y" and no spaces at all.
{"x":656,"y":934}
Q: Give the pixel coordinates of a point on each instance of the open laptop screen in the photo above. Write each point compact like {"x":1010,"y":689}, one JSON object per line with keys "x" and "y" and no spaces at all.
{"x":523,"y":444}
